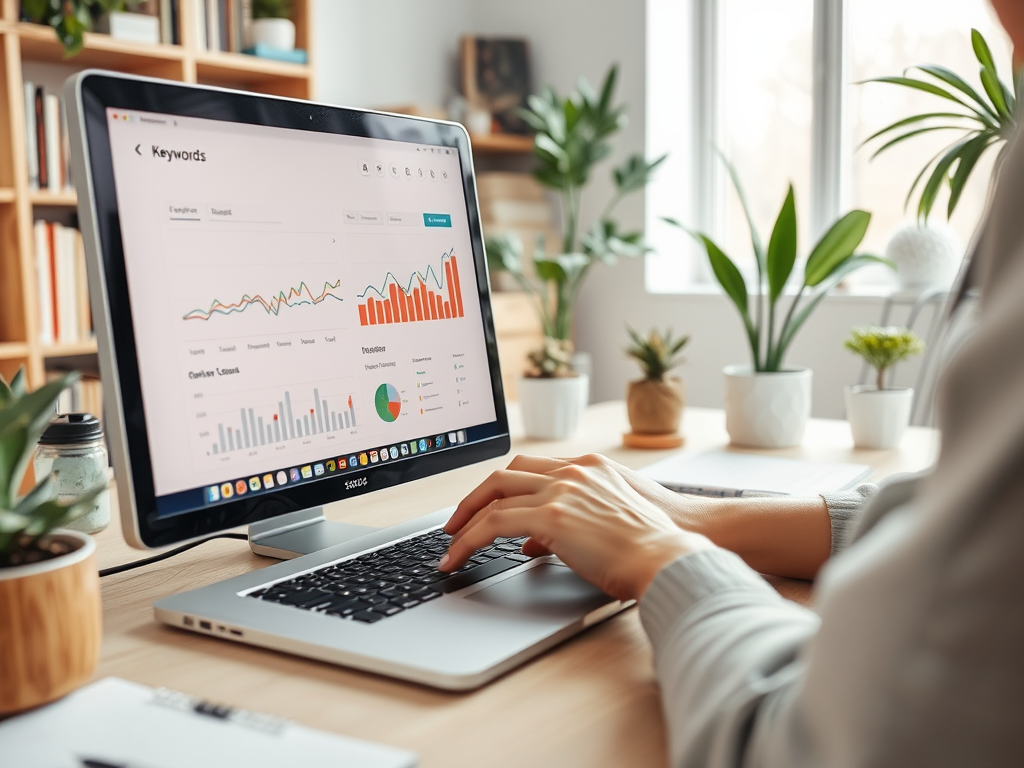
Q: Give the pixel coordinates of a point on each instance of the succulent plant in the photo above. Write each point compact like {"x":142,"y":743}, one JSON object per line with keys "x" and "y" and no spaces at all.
{"x":553,"y":360}
{"x":883,"y":347}
{"x":657,"y":354}
{"x":26,"y":520}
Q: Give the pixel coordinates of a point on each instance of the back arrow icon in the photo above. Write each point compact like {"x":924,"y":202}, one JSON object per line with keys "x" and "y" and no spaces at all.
{"x":137,"y":150}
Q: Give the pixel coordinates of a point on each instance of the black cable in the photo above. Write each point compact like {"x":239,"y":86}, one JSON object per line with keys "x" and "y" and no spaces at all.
{"x":164,"y":555}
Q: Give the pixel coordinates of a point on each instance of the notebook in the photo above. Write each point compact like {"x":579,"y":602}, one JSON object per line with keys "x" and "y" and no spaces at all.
{"x":722,"y":473}
{"x":114,"y":722}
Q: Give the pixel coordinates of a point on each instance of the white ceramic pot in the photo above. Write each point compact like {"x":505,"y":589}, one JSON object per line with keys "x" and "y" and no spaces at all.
{"x":878,"y":418}
{"x":552,"y":408}
{"x":767,"y":410}
{"x":274,"y":33}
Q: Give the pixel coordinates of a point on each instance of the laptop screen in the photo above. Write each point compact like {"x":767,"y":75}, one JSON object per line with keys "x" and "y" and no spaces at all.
{"x":304,"y":306}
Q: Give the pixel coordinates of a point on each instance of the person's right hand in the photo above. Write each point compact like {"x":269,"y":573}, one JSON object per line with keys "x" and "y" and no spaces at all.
{"x":587,"y":514}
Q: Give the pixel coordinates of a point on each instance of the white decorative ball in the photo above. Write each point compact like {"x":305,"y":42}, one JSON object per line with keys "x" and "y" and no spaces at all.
{"x":924,"y":256}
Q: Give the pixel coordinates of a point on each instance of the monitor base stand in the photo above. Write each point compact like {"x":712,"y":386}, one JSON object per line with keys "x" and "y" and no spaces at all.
{"x":301,"y":533}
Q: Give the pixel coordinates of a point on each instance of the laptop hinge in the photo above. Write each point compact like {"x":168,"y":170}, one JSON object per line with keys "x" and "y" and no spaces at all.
{"x":301,"y":533}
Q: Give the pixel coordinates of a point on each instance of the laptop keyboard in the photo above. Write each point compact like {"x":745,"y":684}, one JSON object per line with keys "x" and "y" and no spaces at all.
{"x":387,"y":581}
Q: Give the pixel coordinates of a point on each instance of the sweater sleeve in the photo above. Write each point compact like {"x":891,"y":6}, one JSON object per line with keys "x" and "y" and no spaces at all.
{"x":726,"y":646}
{"x":844,"y":510}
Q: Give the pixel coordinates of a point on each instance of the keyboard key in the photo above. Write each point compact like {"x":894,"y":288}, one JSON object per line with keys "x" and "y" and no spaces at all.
{"x":368,"y":617}
{"x":303,"y":599}
{"x":519,"y":557}
{"x":481,"y":572}
{"x":388,"y":609}
{"x":408,"y":602}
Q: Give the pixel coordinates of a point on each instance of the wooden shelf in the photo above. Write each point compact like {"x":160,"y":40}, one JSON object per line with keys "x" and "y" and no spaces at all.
{"x":40,"y":43}
{"x":12,"y":350}
{"x":69,"y":350}
{"x":44,"y":197}
{"x":502,"y":143}
{"x":23,"y":44}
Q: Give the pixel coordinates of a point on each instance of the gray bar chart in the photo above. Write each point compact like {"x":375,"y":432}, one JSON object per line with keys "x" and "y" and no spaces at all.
{"x":254,"y":430}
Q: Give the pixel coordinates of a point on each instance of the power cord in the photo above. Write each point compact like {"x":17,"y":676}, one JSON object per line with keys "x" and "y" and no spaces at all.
{"x":165,"y":555}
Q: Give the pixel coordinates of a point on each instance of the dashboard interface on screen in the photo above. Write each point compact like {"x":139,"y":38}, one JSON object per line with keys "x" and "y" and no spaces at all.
{"x":304,"y":304}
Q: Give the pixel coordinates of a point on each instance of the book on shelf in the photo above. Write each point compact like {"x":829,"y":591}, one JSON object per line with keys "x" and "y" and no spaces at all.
{"x":47,"y":146}
{"x":223,"y":25}
{"x":84,"y":396}
{"x":295,"y":56}
{"x":63,"y":290}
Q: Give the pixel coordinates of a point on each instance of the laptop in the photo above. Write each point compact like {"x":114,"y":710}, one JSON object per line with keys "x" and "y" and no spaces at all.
{"x":292,"y":309}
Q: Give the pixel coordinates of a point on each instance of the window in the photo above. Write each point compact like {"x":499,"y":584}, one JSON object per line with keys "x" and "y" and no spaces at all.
{"x":774,"y":85}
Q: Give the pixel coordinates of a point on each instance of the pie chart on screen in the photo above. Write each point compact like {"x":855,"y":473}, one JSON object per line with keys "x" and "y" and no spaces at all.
{"x":388,"y":402}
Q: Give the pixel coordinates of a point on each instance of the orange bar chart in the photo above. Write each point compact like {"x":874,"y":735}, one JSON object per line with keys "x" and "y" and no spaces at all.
{"x":416,"y":302}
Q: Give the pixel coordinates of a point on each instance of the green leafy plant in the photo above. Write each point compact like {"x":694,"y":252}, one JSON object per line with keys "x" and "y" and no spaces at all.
{"x":657,"y":354}
{"x":573,"y":135}
{"x":26,"y":520}
{"x":271,"y":9}
{"x":884,"y":346}
{"x":70,"y":19}
{"x":982,"y":120}
{"x":553,"y":360}
{"x":831,"y":259}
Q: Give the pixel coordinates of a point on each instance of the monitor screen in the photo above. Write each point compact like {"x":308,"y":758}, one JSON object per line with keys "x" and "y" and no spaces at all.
{"x":305,"y":306}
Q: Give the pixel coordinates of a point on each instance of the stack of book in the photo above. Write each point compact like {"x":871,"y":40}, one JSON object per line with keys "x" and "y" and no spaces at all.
{"x":46,"y":132}
{"x":222,"y":25}
{"x":515,"y":203}
{"x":64,"y":316}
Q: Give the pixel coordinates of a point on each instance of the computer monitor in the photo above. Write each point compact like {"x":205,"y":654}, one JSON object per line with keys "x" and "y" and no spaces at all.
{"x":291,"y":301}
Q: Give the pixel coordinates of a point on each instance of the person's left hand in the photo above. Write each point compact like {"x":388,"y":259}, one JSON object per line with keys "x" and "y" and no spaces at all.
{"x":589,"y":516}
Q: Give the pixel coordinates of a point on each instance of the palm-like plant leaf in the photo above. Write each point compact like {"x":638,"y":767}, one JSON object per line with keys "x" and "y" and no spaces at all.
{"x":989,"y":116}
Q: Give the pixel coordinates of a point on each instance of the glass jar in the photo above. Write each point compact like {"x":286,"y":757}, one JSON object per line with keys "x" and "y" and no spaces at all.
{"x":72,"y":451}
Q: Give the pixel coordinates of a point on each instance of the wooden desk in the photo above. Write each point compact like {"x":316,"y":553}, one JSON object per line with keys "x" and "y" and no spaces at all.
{"x":591,"y":702}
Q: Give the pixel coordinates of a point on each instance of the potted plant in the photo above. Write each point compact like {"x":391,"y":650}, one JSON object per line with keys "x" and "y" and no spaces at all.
{"x":983,"y":119}
{"x":50,"y":622}
{"x":879,"y":415}
{"x":552,"y":395}
{"x":272,"y":25}
{"x":655,"y":402}
{"x":767,"y":404}
{"x":573,"y":135}
{"x":70,"y":19}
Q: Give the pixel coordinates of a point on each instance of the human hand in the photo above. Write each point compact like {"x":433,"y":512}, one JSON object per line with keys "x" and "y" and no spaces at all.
{"x":586,"y":513}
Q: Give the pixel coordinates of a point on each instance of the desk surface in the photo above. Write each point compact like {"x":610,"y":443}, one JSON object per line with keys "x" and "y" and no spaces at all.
{"x":592,"y":701}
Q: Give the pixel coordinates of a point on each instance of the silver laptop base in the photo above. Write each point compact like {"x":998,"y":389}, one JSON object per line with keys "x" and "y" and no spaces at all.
{"x":301,"y":533}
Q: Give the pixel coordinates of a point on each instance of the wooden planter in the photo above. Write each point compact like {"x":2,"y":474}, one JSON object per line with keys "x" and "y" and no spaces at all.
{"x":655,"y":407}
{"x":50,"y":626}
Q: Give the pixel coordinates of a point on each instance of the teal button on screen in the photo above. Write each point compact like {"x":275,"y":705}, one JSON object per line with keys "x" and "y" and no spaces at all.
{"x":437,"y":220}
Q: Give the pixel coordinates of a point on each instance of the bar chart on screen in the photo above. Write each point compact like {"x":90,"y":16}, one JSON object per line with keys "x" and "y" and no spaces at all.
{"x":422,"y":297}
{"x":264,"y":422}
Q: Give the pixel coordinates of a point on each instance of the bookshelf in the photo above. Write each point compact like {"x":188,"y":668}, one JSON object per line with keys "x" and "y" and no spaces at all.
{"x":24,"y":46}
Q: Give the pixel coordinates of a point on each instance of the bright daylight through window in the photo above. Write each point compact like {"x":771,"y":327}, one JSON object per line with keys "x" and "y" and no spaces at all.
{"x":746,"y":86}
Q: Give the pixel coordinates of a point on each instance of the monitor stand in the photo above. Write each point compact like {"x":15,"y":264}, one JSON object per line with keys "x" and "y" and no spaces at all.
{"x":301,"y":533}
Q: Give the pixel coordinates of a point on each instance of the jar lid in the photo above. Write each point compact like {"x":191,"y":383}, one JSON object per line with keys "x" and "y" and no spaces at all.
{"x":72,"y":428}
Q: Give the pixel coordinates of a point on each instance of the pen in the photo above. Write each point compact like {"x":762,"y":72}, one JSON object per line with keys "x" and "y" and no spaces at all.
{"x":728,"y":493}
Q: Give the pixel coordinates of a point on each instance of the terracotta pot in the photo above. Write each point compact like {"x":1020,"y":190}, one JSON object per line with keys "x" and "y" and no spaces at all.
{"x":50,"y":625}
{"x":655,"y":407}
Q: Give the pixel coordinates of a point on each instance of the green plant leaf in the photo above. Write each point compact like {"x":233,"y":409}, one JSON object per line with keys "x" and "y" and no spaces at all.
{"x":915,"y":119}
{"x":939,"y":174}
{"x":729,"y":277}
{"x":994,"y":89}
{"x":953,"y":79}
{"x":851,"y":264}
{"x":755,"y":238}
{"x":981,"y":50}
{"x":969,"y":157}
{"x":635,"y":173}
{"x":911,"y":134}
{"x":923,"y":85}
{"x":608,"y":89}
{"x":836,"y":246}
{"x":782,"y":248}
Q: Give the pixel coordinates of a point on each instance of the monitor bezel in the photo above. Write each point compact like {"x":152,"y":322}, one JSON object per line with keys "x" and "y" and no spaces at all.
{"x":88,"y":95}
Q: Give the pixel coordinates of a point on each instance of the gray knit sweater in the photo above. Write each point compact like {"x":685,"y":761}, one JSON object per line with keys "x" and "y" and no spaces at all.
{"x":914,"y":654}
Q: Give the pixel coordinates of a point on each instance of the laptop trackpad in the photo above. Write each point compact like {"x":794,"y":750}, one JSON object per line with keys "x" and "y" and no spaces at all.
{"x":548,"y":590}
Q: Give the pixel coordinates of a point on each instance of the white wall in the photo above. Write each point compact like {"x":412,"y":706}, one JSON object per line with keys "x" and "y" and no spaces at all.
{"x":390,"y":51}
